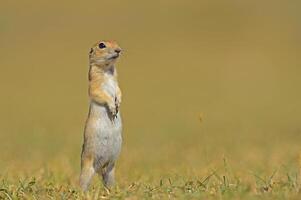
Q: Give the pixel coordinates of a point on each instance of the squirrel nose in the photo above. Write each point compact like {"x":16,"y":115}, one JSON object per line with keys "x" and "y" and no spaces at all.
{"x":118,"y":50}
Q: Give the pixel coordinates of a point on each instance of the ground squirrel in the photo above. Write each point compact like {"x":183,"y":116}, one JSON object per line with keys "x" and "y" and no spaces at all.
{"x":102,"y":136}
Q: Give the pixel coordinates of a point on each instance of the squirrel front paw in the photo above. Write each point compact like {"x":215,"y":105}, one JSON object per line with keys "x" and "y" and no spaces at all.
{"x":113,"y":110}
{"x":117,"y":104}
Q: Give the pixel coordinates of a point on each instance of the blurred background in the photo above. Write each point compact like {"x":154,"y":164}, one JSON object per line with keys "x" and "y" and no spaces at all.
{"x":201,"y":81}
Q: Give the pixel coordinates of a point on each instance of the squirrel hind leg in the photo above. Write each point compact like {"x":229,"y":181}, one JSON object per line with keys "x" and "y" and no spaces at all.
{"x":108,"y":175}
{"x":86,"y":175}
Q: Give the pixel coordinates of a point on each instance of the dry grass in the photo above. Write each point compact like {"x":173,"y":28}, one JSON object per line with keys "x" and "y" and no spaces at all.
{"x":219,"y":183}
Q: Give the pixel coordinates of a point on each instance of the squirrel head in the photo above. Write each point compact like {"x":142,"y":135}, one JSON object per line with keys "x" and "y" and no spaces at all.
{"x":104,"y":53}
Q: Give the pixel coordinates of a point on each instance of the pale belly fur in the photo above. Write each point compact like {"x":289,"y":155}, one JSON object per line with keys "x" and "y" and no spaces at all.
{"x":108,"y":132}
{"x":108,"y":138}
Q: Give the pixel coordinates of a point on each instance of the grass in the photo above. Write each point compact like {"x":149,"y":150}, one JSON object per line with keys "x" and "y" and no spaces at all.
{"x":219,"y":183}
{"x":47,"y":167}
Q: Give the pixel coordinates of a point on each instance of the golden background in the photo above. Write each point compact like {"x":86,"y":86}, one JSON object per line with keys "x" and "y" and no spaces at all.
{"x":234,"y":64}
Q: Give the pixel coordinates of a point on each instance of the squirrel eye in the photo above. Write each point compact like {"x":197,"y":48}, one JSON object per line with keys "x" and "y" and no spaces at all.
{"x":102,"y":45}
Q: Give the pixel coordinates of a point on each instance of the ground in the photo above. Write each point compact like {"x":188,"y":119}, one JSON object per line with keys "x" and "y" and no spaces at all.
{"x":175,"y":170}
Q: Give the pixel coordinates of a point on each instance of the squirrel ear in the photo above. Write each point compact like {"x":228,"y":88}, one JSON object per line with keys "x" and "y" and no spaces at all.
{"x":91,"y":51}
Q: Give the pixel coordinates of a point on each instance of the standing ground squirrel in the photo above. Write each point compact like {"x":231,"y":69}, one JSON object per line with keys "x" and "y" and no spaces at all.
{"x":102,"y":136}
